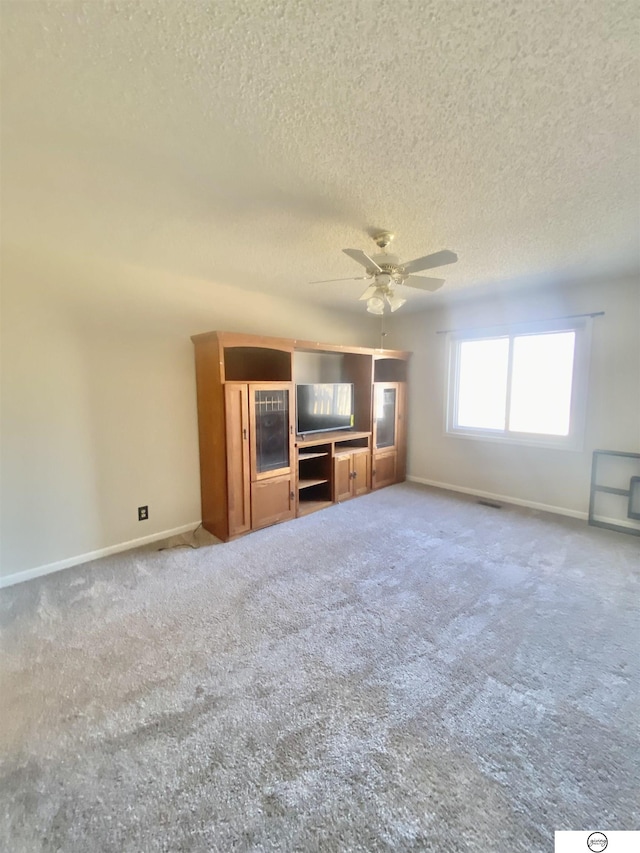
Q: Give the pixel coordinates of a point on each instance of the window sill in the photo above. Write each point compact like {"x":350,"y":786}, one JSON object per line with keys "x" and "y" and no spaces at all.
{"x":551,"y":443}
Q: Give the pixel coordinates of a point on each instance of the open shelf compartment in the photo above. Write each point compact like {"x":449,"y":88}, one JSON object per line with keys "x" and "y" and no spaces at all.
{"x":349,"y":445}
{"x":314,"y":478}
{"x":256,"y":364}
{"x":308,"y":484}
{"x":390,"y":370}
{"x":307,"y":507}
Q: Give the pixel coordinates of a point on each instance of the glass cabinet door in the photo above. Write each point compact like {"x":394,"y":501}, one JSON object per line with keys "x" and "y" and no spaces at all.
{"x":385,"y":416}
{"x":271,"y":430}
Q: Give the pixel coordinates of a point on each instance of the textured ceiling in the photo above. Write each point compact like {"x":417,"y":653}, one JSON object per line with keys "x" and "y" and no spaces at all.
{"x":248,"y":141}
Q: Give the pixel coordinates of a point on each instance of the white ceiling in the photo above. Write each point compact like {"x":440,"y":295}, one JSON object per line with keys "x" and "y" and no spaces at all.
{"x":248,"y":141}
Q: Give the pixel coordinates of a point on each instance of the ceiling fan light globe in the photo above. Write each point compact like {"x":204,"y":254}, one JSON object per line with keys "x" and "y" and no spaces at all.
{"x":375,"y":305}
{"x":395,"y":302}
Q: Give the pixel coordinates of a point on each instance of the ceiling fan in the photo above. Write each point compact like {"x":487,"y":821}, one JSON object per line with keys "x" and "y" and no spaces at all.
{"x":385,"y":272}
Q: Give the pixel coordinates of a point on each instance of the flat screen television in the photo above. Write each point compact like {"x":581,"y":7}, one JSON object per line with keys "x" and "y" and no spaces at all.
{"x":324,"y":407}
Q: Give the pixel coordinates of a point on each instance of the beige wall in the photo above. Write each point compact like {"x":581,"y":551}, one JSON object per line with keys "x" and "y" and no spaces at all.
{"x":98,"y":396}
{"x":99,"y":402}
{"x":551,"y":477}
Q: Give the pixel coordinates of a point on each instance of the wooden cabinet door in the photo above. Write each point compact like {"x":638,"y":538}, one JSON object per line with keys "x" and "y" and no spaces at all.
{"x":401,"y":472}
{"x":272,"y":500}
{"x":342,"y":480}
{"x":389,"y":433}
{"x":385,"y":415}
{"x":271,"y":429}
{"x":238,"y":475}
{"x":351,"y":474}
{"x":361,"y":465}
{"x":384,"y":471}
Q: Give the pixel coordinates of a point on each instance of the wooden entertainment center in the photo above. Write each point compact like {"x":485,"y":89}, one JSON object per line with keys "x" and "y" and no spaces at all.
{"x":255,"y":470}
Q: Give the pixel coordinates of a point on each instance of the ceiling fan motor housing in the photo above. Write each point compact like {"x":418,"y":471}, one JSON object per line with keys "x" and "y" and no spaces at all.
{"x":391,"y":271}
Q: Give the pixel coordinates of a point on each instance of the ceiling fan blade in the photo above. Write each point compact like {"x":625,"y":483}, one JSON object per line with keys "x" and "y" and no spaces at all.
{"x":362,"y":258}
{"x":421,"y":282}
{"x":438,"y":259}
{"x":369,"y":292}
{"x":329,"y":280}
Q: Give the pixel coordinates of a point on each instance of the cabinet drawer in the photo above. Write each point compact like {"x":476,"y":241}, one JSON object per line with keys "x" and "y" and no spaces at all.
{"x":272,"y":501}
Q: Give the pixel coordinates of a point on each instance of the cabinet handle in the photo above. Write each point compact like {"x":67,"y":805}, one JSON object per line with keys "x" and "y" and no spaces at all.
{"x":290,"y":429}
{"x":244,"y":434}
{"x":292,"y":495}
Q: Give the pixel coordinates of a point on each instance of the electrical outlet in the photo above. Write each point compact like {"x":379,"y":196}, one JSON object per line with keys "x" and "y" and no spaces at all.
{"x":143,"y":513}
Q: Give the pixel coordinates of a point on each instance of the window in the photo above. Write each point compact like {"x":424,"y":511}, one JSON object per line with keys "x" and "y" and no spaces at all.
{"x":522,"y":384}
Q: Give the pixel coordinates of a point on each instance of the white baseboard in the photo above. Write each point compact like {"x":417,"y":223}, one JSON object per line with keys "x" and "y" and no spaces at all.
{"x":558,"y":510}
{"x":49,"y":568}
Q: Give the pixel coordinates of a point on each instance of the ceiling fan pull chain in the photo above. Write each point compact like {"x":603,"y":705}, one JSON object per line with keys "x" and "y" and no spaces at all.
{"x":383,"y":334}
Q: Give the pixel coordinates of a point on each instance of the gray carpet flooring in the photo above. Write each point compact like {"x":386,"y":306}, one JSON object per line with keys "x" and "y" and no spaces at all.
{"x":408,"y":671}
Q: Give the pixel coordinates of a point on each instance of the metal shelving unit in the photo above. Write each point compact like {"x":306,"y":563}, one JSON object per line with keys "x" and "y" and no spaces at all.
{"x":630,"y":493}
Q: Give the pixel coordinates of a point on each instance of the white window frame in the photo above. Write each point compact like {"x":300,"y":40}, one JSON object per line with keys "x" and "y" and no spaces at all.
{"x":575,"y":439}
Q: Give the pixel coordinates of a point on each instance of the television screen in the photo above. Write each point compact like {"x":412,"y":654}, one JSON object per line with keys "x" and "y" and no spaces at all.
{"x":324,"y":406}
